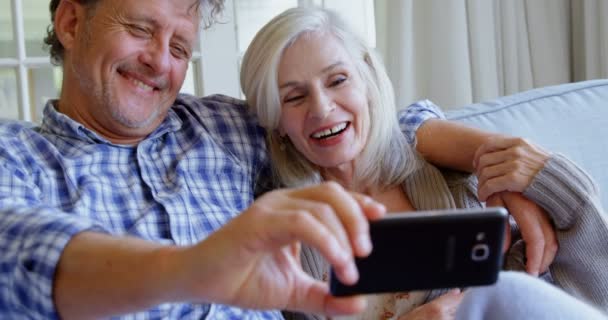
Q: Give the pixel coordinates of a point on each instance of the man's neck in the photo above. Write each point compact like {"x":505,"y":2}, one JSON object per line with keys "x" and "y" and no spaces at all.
{"x":89,"y":122}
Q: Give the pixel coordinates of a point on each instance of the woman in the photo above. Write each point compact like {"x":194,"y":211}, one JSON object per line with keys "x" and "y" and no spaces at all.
{"x":327,"y":103}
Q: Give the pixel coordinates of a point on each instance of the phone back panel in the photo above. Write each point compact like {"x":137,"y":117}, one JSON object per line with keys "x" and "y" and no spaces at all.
{"x":432,"y":249}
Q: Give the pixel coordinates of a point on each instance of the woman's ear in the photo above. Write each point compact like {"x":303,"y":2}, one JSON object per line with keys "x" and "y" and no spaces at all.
{"x":280,"y":133}
{"x":68,"y":16}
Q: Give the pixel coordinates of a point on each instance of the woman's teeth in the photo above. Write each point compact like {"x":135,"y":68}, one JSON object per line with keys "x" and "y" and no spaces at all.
{"x":330,"y":131}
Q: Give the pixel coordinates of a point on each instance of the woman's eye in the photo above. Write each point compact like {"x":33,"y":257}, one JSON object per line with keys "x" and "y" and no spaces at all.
{"x":293,"y":98}
{"x":337,"y":81}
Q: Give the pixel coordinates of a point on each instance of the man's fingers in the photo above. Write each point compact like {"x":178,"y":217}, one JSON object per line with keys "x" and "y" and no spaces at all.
{"x":347,"y":209}
{"x":372,"y":209}
{"x":492,"y":158}
{"x":326,"y":215}
{"x":298,"y":225}
{"x":495,"y":185}
{"x":492,"y":145}
{"x":317,"y":299}
{"x":498,"y":170}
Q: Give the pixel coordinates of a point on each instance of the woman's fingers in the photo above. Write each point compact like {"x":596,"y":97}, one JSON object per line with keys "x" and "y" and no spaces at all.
{"x":536,"y":231}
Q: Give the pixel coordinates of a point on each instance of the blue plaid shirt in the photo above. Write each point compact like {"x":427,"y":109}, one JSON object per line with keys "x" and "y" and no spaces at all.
{"x":200,"y":168}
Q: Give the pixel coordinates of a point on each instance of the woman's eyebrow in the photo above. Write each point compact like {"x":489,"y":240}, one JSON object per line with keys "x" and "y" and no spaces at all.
{"x":332,"y":66}
{"x":323,"y":71}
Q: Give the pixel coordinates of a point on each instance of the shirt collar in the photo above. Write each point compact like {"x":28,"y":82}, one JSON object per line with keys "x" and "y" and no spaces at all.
{"x":58,"y":123}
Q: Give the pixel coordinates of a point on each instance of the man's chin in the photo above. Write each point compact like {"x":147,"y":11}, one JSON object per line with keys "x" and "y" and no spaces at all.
{"x":137,"y":121}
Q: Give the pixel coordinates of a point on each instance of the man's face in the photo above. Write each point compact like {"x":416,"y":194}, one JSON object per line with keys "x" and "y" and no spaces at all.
{"x":128,"y":63}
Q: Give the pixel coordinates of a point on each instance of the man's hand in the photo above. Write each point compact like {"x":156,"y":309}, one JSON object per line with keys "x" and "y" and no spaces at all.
{"x":505,"y":167}
{"x":442,"y":308}
{"x":507,"y":164}
{"x":253,"y":261}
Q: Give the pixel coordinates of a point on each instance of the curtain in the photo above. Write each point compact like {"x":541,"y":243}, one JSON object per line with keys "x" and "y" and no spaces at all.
{"x":590,"y":39}
{"x":456,"y":52}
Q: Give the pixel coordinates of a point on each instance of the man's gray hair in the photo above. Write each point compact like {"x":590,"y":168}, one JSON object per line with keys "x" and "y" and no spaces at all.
{"x":210,"y":11}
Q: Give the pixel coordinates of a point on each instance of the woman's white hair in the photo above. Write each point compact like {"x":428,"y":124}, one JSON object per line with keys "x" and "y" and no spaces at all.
{"x":386,"y":160}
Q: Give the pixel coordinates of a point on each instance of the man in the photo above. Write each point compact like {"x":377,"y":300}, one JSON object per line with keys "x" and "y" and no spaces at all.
{"x":110,"y":206}
{"x":106,"y":170}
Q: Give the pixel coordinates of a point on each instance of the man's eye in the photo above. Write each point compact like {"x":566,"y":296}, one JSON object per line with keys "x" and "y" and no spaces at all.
{"x":180,"y":52}
{"x":138,"y":31}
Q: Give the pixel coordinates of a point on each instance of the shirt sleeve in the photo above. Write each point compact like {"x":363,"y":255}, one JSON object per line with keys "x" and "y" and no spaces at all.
{"x":32,"y":238}
{"x":412,"y":117}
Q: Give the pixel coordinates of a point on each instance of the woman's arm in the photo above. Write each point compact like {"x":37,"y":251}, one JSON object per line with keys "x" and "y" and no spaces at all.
{"x":571,"y":198}
{"x":504,"y":166}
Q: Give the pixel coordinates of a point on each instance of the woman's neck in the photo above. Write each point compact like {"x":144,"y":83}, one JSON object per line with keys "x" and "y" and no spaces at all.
{"x":342,"y":174}
{"x":394,"y":198}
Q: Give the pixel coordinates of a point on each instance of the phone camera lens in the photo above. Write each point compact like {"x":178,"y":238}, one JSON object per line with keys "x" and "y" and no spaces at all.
{"x":480,"y":252}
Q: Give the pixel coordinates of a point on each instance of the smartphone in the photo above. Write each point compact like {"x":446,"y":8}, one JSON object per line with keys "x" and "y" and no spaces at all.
{"x":422,"y":250}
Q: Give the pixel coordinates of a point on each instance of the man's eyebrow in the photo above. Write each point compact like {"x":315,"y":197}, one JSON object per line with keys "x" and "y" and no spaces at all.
{"x":139,"y":18}
{"x":324,"y":70}
{"x":156,"y":25}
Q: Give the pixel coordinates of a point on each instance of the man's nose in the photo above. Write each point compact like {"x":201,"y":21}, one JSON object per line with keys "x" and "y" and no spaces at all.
{"x":158,"y":56}
{"x":322,"y":104}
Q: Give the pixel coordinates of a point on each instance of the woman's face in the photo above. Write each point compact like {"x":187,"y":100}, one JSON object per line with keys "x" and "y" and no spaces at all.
{"x":324,"y":109}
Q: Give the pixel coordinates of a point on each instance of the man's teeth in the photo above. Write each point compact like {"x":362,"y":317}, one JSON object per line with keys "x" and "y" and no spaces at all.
{"x":331,"y":131}
{"x":141,"y":85}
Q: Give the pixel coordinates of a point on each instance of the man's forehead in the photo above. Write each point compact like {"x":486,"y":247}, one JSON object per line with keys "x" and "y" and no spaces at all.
{"x":190,"y":7}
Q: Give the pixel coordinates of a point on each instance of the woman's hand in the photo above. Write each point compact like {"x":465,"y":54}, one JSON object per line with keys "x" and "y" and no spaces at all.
{"x":507,"y":164}
{"x":505,"y":167}
{"x":442,"y":308}
{"x":536,"y":229}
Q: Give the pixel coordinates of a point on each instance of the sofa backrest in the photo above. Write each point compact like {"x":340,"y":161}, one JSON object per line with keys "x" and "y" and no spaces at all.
{"x":571,"y":119}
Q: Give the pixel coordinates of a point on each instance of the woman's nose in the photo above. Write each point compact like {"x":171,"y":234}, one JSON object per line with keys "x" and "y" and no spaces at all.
{"x":322,"y":105}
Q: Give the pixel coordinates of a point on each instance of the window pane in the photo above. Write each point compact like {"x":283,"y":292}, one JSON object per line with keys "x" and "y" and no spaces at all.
{"x":189,"y":85}
{"x":45,"y":84}
{"x":7,"y":43}
{"x":9,"y":106}
{"x":251,"y":15}
{"x":359,"y":14}
{"x":36,"y":18}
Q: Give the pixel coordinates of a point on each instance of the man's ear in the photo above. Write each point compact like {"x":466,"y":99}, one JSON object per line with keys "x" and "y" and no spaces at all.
{"x":68,"y":17}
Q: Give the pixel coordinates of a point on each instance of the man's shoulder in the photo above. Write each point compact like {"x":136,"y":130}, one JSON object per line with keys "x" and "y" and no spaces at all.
{"x":218,"y":114}
{"x":19,"y":140}
{"x":14,"y":129}
{"x":7,"y":125}
{"x":216,"y":104}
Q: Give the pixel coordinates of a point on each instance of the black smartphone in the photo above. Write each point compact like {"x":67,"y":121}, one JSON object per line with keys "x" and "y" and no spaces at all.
{"x":422,"y":250}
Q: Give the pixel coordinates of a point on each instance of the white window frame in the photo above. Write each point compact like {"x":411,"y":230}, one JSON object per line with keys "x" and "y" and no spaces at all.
{"x":22,"y":63}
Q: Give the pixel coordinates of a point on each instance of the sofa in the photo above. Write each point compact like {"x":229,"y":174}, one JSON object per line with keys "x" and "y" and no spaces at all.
{"x":571,"y":119}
